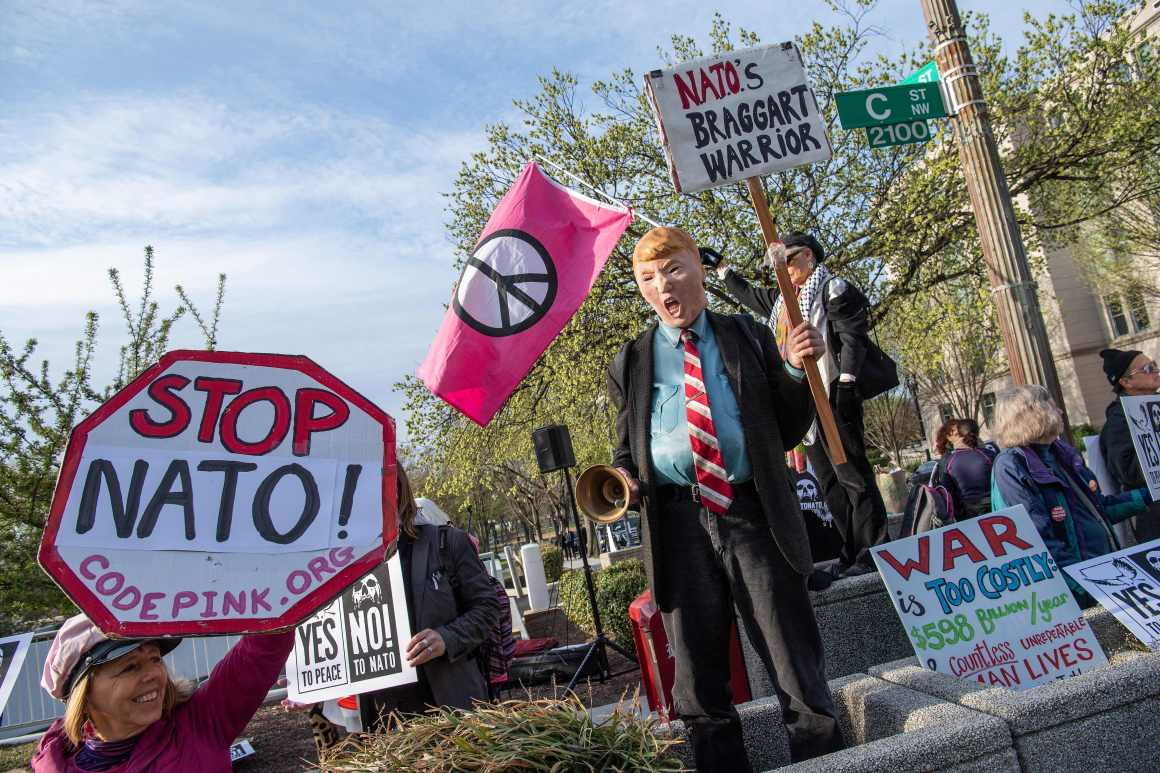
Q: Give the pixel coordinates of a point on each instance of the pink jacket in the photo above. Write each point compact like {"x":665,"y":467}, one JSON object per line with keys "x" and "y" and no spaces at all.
{"x":196,"y":738}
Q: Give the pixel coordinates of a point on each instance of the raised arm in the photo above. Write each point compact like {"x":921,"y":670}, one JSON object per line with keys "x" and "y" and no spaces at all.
{"x":223,"y":706}
{"x":759,"y":300}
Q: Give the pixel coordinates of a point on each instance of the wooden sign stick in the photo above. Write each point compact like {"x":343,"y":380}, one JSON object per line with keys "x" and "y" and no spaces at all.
{"x":794,"y":314}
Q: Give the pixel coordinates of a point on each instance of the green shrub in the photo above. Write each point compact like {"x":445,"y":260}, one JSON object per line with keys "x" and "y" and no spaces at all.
{"x":544,"y":735}
{"x":553,"y":561}
{"x":616,"y":588}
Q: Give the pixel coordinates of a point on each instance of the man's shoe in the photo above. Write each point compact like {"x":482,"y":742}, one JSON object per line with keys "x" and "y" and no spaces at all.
{"x":856,"y":569}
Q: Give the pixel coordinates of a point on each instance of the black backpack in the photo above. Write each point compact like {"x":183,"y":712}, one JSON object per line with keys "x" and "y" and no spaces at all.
{"x":928,"y":506}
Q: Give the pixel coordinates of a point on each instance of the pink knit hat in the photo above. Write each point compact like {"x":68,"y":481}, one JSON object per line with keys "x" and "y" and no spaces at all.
{"x":79,"y":645}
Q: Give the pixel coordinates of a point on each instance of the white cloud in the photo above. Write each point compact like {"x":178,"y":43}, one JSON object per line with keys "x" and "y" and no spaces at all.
{"x":196,"y":165}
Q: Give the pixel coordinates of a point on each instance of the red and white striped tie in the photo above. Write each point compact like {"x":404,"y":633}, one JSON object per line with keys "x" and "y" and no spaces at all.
{"x":712,"y":480}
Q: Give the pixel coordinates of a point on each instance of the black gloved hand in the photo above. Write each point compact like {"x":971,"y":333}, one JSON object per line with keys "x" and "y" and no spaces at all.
{"x":710,"y":257}
{"x":846,"y":399}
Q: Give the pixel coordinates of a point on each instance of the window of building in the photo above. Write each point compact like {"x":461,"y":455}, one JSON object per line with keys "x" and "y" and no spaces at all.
{"x":1138,"y":310}
{"x":1116,"y":318}
{"x":946,"y":412}
{"x":1145,"y":56}
{"x":988,"y":405}
{"x":1127,"y":313}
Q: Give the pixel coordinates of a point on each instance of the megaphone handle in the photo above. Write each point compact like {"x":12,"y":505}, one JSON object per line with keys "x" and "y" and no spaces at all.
{"x":794,"y":315}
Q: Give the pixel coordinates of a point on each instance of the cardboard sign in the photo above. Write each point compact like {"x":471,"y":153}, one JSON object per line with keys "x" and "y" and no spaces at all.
{"x":221,"y":492}
{"x":356,"y":644}
{"x":12,"y":652}
{"x":983,"y":600}
{"x":1143,"y":414}
{"x":1127,"y":584}
{"x":741,"y":114}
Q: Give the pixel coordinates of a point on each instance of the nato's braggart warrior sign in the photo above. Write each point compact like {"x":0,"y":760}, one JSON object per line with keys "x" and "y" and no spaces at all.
{"x":356,"y":644}
{"x":983,"y":600}
{"x":742,"y":114}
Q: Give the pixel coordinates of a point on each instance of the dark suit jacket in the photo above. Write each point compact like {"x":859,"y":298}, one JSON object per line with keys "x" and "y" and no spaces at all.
{"x":848,"y":315}
{"x":455,"y":677}
{"x":776,"y":411}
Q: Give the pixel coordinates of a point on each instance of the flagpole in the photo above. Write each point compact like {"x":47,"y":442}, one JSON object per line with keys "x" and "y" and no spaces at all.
{"x":597,"y":191}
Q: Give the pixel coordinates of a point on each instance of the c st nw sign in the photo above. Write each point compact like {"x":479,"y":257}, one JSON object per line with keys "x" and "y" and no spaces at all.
{"x":890,"y":104}
{"x":221,"y":492}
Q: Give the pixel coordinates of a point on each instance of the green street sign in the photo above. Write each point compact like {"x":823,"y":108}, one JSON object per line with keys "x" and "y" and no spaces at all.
{"x":928,"y":73}
{"x":890,"y":104}
{"x":899,"y":133}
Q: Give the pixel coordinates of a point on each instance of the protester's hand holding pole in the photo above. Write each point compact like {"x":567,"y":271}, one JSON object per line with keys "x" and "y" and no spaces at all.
{"x":776,"y":254}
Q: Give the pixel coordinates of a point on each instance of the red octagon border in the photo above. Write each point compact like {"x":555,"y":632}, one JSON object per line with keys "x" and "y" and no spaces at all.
{"x":64,"y":576}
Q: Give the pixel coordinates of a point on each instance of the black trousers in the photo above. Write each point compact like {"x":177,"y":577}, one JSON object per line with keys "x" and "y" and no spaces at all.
{"x":859,"y":515}
{"x":712,"y":563}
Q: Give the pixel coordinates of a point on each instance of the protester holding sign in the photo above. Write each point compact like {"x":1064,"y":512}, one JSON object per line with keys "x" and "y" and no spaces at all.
{"x":452,"y":604}
{"x":1049,"y":478}
{"x":123,"y":708}
{"x":854,"y":370}
{"x":1130,"y":373}
{"x":714,"y":496}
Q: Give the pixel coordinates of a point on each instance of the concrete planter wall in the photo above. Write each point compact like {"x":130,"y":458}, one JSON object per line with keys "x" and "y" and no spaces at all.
{"x":898,"y":717}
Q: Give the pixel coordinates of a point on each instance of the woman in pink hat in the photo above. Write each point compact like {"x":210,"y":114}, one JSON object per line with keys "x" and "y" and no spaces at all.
{"x":125,"y":713}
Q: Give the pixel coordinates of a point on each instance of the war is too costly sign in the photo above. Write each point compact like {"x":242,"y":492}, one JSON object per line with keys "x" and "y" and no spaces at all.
{"x":221,"y":492}
{"x":983,"y":599}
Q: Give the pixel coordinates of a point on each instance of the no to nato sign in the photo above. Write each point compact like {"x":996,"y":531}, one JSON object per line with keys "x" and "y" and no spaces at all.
{"x":221,"y":492}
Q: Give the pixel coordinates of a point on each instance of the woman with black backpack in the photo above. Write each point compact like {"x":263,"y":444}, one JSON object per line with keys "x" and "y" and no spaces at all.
{"x":965,"y":467}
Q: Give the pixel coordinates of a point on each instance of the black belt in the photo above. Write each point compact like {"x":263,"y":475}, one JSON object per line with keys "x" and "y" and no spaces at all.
{"x":674,"y":493}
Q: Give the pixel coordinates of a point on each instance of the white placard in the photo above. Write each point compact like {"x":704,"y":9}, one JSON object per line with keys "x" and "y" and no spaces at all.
{"x":1143,"y":415}
{"x":1127,"y":584}
{"x":741,"y":114}
{"x":221,"y":492}
{"x":356,"y":644}
{"x":12,"y":652}
{"x":983,"y":600}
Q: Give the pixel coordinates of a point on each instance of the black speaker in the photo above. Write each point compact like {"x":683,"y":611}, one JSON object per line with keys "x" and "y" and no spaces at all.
{"x":553,"y":447}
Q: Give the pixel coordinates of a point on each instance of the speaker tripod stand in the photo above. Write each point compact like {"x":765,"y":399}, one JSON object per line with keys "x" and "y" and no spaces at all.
{"x":553,"y":448}
{"x":597,"y":648}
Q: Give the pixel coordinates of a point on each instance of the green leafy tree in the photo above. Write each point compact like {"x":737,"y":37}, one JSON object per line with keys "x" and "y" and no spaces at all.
{"x":37,"y":414}
{"x":897,"y":221}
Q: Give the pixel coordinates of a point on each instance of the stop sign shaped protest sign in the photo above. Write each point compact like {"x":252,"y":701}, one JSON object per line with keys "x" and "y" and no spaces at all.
{"x":221,"y":492}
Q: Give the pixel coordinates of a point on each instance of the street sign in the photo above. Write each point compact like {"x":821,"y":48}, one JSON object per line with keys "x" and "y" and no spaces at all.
{"x":890,"y":104}
{"x":928,"y":73}
{"x":221,"y":492}
{"x":899,"y":133}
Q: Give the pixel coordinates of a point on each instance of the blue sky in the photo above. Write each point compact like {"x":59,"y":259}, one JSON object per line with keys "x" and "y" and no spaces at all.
{"x":301,"y":148}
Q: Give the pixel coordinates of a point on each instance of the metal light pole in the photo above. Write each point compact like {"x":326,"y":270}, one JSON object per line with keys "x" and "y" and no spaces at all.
{"x":1012,"y":286}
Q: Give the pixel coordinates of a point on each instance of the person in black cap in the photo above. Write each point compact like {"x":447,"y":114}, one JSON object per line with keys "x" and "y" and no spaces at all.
{"x":1130,"y":373}
{"x":853,"y":369}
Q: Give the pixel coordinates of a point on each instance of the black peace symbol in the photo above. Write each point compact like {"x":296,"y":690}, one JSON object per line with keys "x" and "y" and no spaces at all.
{"x":512,"y":309}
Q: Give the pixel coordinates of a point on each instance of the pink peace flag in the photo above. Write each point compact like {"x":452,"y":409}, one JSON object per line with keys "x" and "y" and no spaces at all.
{"x":533,"y":266}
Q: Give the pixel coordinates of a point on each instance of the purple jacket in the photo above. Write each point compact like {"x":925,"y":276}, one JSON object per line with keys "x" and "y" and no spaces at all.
{"x":196,"y":738}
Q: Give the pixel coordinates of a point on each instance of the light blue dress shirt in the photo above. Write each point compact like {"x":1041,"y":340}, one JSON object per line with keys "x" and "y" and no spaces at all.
{"x":672,"y":456}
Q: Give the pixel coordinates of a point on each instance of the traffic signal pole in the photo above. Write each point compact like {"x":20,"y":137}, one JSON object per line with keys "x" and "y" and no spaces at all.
{"x":1012,"y":286}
